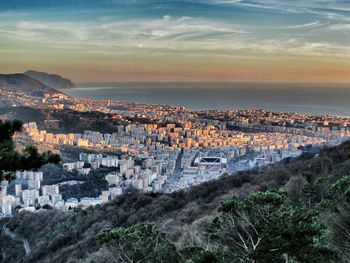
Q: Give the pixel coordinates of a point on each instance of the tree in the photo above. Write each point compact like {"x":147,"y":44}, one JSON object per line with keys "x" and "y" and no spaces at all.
{"x":11,"y":160}
{"x":309,"y":191}
{"x":339,"y":217}
{"x":340,"y":190}
{"x":340,"y":230}
{"x":143,"y":243}
{"x":267,"y":227}
{"x":238,"y":234}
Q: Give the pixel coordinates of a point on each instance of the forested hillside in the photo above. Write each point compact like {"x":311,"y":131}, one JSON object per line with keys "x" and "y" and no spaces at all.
{"x":294,"y":211}
{"x":61,"y":121}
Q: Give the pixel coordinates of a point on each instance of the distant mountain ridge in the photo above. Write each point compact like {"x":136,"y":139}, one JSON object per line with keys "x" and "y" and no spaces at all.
{"x":52,"y":80}
{"x":20,"y":82}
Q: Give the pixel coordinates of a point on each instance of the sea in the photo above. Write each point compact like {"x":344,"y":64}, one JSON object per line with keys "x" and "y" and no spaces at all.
{"x":313,"y":99}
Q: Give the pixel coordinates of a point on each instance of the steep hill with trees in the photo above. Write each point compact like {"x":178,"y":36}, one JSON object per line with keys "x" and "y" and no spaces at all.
{"x":64,"y":121}
{"x":298,"y":198}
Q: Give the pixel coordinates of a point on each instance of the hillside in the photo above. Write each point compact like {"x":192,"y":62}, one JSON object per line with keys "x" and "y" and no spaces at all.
{"x":64,"y":121}
{"x":25,"y":84}
{"x":55,"y":236}
{"x":52,"y":80}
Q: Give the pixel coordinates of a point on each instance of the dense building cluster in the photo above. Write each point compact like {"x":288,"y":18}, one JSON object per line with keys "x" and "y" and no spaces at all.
{"x":26,"y":193}
{"x":162,"y":148}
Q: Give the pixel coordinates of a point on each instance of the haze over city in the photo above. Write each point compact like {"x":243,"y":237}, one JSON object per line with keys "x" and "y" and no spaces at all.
{"x":171,"y":41}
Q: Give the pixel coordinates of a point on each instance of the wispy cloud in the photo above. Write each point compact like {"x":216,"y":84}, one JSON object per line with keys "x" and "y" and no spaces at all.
{"x":162,"y":30}
{"x":331,"y":9}
{"x":314,"y":24}
{"x":340,"y":27}
{"x":167,"y":34}
{"x":233,"y":31}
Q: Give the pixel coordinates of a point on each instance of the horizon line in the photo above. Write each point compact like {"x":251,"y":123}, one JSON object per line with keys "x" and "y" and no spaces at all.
{"x":209,"y":82}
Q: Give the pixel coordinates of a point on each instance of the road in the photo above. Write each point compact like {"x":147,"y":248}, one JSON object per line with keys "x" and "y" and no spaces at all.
{"x":175,"y":176}
{"x":15,"y":237}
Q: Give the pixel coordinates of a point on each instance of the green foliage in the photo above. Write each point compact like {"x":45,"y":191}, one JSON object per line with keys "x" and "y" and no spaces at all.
{"x":140,"y":243}
{"x":341,"y":189}
{"x":232,"y":204}
{"x":267,"y":227}
{"x":338,"y":217}
{"x":11,"y":160}
{"x":339,"y":230}
{"x":8,"y":129}
{"x":274,"y":198}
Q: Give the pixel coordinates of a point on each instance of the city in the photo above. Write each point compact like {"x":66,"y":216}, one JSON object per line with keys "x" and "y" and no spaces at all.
{"x":159,"y":148}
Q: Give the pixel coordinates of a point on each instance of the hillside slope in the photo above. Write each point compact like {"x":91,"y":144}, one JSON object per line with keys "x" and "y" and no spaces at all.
{"x":64,"y":121}
{"x":55,"y":236}
{"x":25,"y":84}
{"x":51,"y":80}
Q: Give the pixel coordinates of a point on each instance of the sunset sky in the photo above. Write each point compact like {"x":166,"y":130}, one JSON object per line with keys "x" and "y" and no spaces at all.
{"x":198,"y":40}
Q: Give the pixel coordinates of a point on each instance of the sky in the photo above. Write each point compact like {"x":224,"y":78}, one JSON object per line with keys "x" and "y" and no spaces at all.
{"x":178,"y":41}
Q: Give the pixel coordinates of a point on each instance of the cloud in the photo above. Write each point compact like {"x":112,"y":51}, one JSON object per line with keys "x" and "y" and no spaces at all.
{"x":331,"y":9}
{"x":340,"y":27}
{"x":168,"y":34}
{"x":165,"y":28}
{"x":189,"y":29}
{"x":306,"y":25}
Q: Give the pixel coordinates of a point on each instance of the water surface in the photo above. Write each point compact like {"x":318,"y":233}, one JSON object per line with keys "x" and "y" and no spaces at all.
{"x":313,"y":99}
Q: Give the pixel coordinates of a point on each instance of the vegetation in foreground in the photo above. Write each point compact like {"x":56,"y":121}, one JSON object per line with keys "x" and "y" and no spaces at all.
{"x":11,"y":160}
{"x":295,"y":211}
{"x":265,"y":227}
